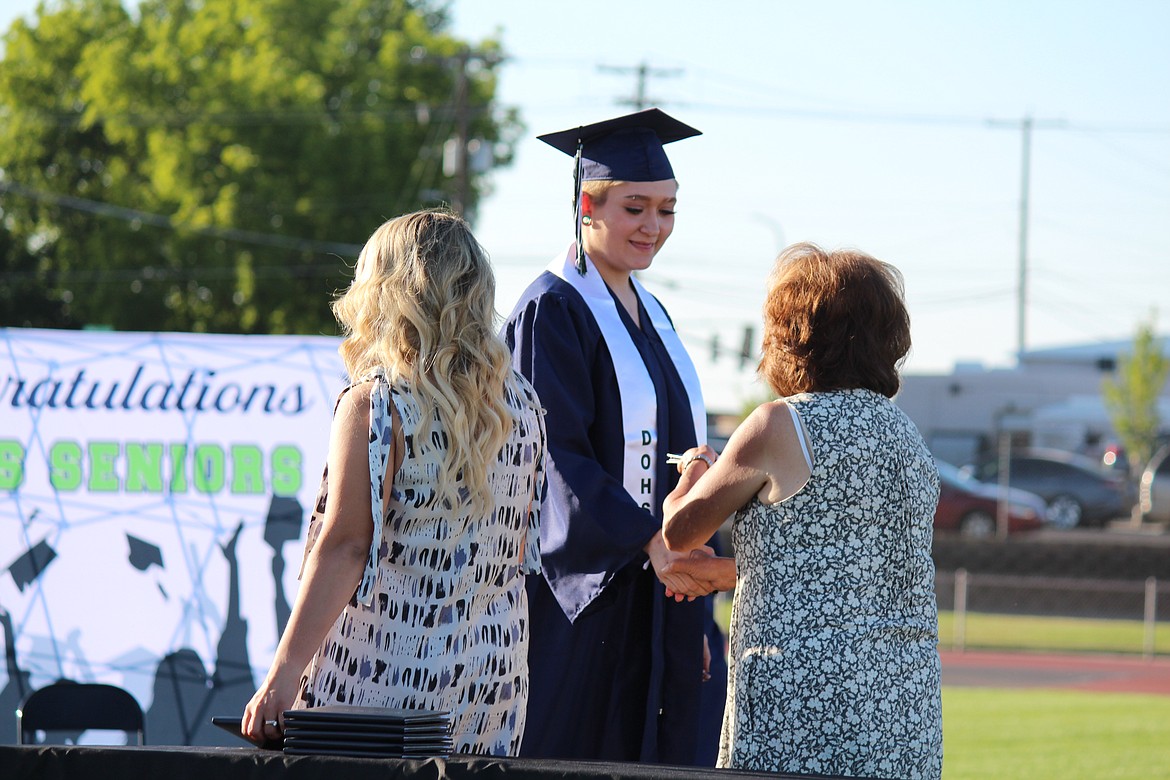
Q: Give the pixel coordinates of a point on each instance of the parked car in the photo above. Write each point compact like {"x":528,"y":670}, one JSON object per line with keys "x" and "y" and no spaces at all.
{"x":1154,"y":492}
{"x":1076,"y":489}
{"x":971,"y":507}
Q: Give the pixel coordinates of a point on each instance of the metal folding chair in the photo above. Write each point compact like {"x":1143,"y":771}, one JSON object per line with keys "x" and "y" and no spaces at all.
{"x":75,"y":707}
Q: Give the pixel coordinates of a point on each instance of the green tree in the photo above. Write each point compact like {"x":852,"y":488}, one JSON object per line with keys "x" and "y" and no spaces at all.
{"x":1132,"y":397}
{"x":214,"y":165}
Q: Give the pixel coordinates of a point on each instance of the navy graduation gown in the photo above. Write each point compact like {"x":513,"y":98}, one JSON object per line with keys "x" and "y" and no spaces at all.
{"x":615,"y":667}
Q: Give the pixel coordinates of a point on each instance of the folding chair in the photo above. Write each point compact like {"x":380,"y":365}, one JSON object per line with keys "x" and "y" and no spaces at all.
{"x":72,"y":706}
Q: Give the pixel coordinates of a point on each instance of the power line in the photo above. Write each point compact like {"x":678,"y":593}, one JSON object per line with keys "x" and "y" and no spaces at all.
{"x":78,"y":276}
{"x":952,"y":300}
{"x":1144,"y":163}
{"x":726,"y":82}
{"x":162,"y":221}
{"x":912,"y":118}
{"x":402,"y":115}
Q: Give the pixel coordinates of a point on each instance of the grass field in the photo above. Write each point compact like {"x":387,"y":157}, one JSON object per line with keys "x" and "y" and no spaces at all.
{"x":1031,"y":632}
{"x":1051,"y":734}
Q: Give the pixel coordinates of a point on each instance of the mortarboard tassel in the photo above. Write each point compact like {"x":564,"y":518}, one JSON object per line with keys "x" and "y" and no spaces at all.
{"x":577,"y":207}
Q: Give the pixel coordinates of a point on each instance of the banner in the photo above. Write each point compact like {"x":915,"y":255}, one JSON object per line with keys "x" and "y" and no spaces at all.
{"x":156,"y":489}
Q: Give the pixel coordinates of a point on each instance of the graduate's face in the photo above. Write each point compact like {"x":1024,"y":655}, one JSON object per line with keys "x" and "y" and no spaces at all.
{"x":630,"y":226}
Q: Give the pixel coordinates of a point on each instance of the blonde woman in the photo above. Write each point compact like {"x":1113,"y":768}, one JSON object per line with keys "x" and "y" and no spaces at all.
{"x":412,"y":589}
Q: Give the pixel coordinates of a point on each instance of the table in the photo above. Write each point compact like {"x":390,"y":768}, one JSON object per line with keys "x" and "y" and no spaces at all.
{"x":94,"y":762}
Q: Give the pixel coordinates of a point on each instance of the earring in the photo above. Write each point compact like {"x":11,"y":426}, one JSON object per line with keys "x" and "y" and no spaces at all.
{"x":587,"y":220}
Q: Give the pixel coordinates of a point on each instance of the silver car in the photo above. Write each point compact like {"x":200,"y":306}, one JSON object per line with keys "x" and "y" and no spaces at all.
{"x":1077,"y":490}
{"x":1154,"y":491}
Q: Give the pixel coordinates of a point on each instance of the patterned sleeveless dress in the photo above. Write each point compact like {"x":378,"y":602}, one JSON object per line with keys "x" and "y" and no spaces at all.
{"x":440,"y":619}
{"x":834,"y":666}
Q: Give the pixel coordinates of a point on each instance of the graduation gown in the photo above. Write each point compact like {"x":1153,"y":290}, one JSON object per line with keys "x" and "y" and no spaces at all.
{"x":615,"y":667}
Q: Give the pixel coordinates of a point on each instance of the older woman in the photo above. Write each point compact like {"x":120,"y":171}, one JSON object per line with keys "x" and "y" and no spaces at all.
{"x":834,"y":662}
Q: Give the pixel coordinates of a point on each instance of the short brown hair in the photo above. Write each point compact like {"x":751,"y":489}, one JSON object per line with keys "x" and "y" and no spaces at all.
{"x":833,"y":321}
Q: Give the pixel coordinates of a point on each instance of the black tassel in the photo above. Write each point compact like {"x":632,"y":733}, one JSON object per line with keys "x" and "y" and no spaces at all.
{"x":577,"y":207}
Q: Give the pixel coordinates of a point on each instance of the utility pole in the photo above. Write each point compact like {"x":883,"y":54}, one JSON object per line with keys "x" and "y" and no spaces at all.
{"x":639,"y":100}
{"x":1026,"y":125}
{"x":462,"y":178}
{"x":455,"y":152}
{"x":1025,"y":191}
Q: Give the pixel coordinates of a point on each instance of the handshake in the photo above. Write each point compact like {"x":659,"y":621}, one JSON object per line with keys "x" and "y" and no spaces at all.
{"x":693,"y":574}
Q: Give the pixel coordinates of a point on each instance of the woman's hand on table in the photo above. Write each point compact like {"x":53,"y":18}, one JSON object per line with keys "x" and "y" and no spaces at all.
{"x":263,"y":719}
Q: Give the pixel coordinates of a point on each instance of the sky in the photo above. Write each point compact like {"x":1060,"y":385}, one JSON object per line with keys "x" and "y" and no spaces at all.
{"x":894,"y":127}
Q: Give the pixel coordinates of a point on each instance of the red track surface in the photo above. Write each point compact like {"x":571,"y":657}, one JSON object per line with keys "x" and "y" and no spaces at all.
{"x":1105,"y":673}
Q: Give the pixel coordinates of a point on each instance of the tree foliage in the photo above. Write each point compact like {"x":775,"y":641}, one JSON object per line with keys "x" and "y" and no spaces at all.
{"x":1132,"y":397}
{"x":214,"y":165}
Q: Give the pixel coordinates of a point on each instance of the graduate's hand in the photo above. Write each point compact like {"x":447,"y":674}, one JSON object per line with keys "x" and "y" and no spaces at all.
{"x":679,"y":585}
{"x":704,"y":453}
{"x":679,"y":566}
{"x":706,"y":568}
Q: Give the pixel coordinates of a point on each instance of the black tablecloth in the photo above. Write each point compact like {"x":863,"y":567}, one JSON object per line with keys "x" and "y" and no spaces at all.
{"x":68,"y":762}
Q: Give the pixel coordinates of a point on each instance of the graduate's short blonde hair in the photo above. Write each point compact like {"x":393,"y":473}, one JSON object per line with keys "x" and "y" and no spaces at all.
{"x":598,"y":189}
{"x":422,"y":308}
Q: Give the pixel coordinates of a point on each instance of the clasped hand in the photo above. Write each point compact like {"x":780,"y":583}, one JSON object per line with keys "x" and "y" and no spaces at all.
{"x":688,"y":575}
{"x":692,"y":574}
{"x":711,"y":571}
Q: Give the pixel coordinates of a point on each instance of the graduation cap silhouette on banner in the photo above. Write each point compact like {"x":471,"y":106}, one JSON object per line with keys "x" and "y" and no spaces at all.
{"x":284,"y":520}
{"x":28,"y":567}
{"x":143,"y":554}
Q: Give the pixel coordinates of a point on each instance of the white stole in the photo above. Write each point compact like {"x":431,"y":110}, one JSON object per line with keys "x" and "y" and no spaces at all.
{"x":638,"y":399}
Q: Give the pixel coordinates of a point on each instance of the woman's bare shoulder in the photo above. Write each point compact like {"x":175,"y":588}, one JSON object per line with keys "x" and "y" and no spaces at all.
{"x":767,"y":426}
{"x":771,"y":418}
{"x":356,"y":396}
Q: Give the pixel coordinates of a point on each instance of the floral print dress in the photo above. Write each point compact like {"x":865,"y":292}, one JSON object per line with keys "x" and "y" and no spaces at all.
{"x":834,"y":666}
{"x":440,"y":619}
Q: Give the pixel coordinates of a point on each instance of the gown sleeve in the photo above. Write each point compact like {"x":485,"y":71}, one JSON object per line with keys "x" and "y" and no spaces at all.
{"x":590,"y":527}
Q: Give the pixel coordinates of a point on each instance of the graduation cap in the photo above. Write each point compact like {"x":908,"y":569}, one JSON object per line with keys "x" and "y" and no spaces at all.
{"x":143,"y":553}
{"x":284,"y":520}
{"x":28,"y":567}
{"x":626,"y":148}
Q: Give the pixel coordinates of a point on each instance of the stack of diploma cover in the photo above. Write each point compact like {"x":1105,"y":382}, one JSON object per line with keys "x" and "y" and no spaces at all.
{"x":368,"y":732}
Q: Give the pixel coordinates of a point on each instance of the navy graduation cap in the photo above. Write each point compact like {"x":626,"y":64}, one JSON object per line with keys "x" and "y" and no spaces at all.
{"x":626,"y":148}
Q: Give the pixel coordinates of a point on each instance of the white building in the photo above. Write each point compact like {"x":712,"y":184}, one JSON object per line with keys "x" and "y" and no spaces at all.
{"x":1053,"y":398}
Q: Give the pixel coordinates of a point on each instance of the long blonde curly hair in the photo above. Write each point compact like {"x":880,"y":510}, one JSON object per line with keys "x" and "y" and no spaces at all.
{"x":421,"y":308}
